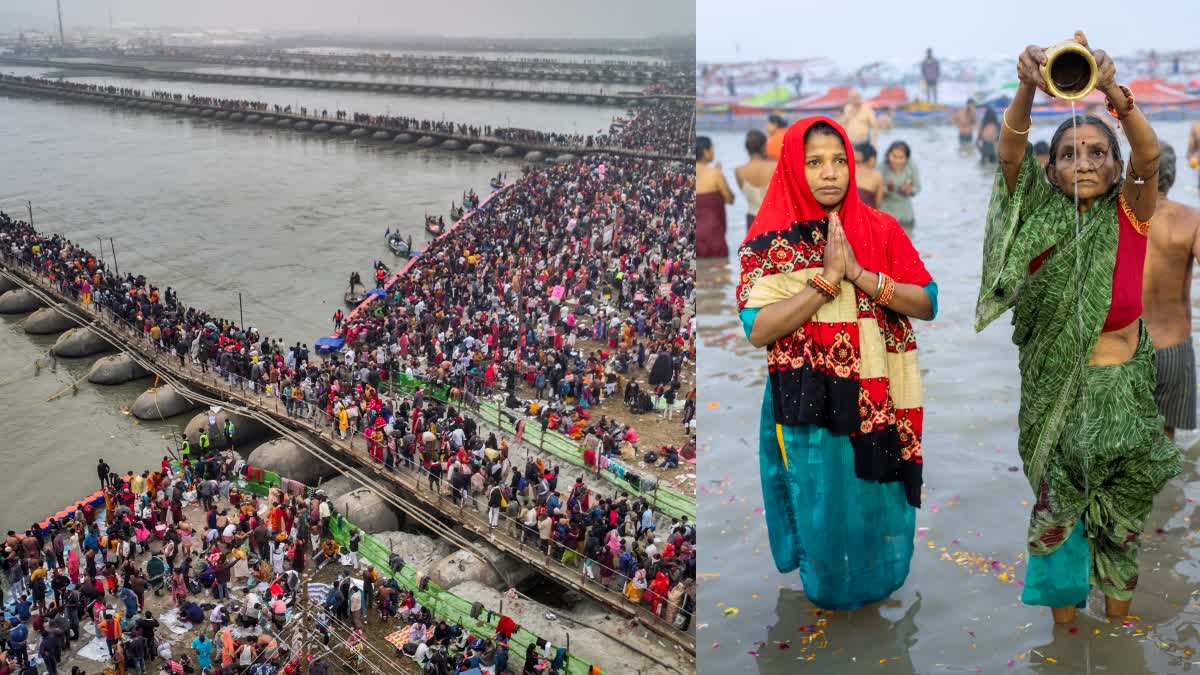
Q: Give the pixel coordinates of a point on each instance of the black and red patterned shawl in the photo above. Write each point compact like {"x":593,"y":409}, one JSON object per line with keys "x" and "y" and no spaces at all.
{"x":853,"y":367}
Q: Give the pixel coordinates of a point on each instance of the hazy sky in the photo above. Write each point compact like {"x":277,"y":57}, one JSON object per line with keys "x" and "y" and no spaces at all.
{"x":856,"y":32}
{"x":498,"y":18}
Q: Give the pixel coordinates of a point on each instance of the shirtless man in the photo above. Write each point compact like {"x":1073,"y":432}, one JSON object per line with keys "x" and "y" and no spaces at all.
{"x":754,"y":176}
{"x":858,"y":120}
{"x":965,"y":120}
{"x":1171,"y":248}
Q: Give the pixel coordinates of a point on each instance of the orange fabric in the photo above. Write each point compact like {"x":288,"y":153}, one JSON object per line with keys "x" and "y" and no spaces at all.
{"x":775,"y":143}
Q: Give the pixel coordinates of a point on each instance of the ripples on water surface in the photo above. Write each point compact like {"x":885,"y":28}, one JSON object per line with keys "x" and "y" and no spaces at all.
{"x":210,"y":209}
{"x":950,"y":616}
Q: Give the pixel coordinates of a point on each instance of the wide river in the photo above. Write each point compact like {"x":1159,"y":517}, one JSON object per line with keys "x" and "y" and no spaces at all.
{"x":212,"y":210}
{"x":960,"y":610}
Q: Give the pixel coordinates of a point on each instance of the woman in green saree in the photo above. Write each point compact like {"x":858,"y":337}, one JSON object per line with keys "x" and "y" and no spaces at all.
{"x":1064,"y":248}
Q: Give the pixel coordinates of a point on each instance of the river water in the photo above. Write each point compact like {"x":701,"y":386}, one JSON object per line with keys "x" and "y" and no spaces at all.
{"x":559,"y":117}
{"x":951,"y":616}
{"x":210,"y":209}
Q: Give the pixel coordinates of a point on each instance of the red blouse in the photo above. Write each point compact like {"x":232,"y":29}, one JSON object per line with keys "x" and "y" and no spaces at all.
{"x":1126,"y":304}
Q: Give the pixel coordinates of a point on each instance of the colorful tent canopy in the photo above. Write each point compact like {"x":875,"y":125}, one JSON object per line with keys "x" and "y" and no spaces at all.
{"x":889,"y":97}
{"x":773,"y":96}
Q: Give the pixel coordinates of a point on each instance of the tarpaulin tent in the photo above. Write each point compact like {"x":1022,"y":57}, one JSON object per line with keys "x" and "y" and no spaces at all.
{"x":329,"y":344}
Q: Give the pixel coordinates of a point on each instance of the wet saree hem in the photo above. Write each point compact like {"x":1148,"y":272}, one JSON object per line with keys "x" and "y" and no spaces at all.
{"x":850,"y":540}
{"x":1101,"y":479}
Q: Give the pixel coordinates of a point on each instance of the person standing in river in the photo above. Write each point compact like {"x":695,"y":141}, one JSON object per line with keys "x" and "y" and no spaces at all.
{"x":1171,"y":250}
{"x":901,"y":182}
{"x":964,"y":118}
{"x":827,"y":287}
{"x":712,"y":194}
{"x":931,"y":71}
{"x":1064,"y":248}
{"x":753,"y":176}
{"x":858,"y":119}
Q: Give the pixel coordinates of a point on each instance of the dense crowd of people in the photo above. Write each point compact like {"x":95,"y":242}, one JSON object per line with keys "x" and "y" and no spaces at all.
{"x":659,"y":126}
{"x":597,"y":249}
{"x":230,"y":565}
{"x":503,"y":299}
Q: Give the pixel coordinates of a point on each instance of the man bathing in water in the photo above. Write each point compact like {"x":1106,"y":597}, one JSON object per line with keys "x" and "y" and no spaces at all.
{"x":965,"y":119}
{"x":870,"y":181}
{"x":1172,"y":248}
{"x":858,"y":120}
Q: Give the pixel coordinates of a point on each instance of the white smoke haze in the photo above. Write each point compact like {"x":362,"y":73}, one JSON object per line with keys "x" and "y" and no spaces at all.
{"x":519,"y":19}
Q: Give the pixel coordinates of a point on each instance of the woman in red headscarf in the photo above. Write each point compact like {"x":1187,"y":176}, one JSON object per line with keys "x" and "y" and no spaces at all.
{"x":827,"y":286}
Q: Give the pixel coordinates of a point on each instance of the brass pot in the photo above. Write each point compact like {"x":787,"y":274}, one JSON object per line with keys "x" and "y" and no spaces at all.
{"x":1070,"y":71}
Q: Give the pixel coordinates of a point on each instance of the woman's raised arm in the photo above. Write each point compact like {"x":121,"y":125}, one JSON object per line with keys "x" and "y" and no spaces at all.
{"x":1015,"y":120}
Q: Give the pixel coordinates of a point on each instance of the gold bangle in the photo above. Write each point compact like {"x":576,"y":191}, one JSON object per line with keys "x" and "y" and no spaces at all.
{"x":1004,"y":117}
{"x":885,"y":294}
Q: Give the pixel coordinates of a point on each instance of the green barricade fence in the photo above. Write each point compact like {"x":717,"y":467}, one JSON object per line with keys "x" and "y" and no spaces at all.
{"x":666,"y":500}
{"x":442,"y":603}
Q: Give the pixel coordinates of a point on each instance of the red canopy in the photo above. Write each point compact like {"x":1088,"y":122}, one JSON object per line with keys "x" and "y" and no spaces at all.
{"x":834,"y":99}
{"x":1157,"y":92}
{"x":889,"y":97}
{"x":1145,"y":92}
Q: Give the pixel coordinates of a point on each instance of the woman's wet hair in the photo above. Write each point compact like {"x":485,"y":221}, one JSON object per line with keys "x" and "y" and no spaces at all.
{"x":867,"y":151}
{"x":903,"y":146}
{"x":703,"y":143}
{"x":756,"y":141}
{"x":989,"y":117}
{"x":821,"y":129}
{"x":1166,"y":167}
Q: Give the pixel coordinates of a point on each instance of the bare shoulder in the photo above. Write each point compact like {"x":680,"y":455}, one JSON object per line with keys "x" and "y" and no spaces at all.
{"x":1176,"y":220}
{"x":1177,"y":214}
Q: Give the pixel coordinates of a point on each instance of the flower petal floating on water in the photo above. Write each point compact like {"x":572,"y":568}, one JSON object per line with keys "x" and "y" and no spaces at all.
{"x":731,"y":611}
